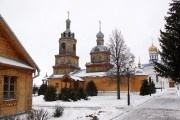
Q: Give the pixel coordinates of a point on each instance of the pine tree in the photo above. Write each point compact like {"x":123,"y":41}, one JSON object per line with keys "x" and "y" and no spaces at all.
{"x":170,"y":44}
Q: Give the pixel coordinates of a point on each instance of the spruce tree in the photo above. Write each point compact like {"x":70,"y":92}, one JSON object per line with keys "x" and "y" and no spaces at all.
{"x":91,"y":89}
{"x":144,"y":88}
{"x":170,"y":44}
{"x":50,"y":94}
{"x":42,"y":89}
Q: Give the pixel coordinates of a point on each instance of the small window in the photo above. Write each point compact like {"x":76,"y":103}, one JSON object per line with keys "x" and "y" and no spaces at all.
{"x":69,"y":34}
{"x":63,"y":46}
{"x":57,"y":85}
{"x":9,"y":87}
{"x":74,"y":47}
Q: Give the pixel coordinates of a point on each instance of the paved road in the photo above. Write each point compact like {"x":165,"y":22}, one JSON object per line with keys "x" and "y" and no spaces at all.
{"x":163,"y":107}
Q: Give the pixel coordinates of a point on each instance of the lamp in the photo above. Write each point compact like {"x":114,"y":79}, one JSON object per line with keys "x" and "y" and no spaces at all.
{"x":128,"y":76}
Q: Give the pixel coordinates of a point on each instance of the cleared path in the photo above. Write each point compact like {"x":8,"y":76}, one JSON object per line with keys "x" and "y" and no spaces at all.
{"x":163,"y":107}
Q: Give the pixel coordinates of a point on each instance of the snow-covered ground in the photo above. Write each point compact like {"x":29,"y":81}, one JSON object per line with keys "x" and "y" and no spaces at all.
{"x":164,"y":107}
{"x":104,"y":107}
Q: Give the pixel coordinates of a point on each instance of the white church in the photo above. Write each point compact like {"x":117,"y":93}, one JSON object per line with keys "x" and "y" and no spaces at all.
{"x":148,"y":68}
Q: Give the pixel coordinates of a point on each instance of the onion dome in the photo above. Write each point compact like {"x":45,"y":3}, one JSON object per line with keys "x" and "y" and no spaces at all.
{"x":100,"y":35}
{"x":152,"y":48}
{"x":99,"y":48}
{"x":68,"y":20}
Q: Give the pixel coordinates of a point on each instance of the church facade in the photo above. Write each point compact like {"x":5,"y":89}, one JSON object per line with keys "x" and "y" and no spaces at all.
{"x":67,"y":73}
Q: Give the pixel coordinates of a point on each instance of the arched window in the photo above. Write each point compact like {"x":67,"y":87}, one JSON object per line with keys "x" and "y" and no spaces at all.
{"x":64,"y":34}
{"x":72,"y":35}
{"x":63,"y":46}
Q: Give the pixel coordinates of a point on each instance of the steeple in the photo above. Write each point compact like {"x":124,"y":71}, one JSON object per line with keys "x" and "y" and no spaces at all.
{"x":100,"y":36}
{"x":100,"y":56}
{"x":67,"y":33}
{"x":68,"y":21}
{"x":66,"y":61}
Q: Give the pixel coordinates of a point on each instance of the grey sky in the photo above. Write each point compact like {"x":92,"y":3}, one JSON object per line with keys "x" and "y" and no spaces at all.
{"x":39,"y":23}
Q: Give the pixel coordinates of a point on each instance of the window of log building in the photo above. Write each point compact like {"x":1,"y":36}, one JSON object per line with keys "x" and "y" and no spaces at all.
{"x":9,"y":87}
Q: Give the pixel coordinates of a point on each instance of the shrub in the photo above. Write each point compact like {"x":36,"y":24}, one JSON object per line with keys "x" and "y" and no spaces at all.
{"x":37,"y":115}
{"x":65,"y":94}
{"x":50,"y":94}
{"x":81,"y":94}
{"x":68,"y":94}
{"x":58,"y":111}
{"x":144,"y":88}
{"x":35,"y":89}
{"x":42,"y":89}
{"x":153,"y":88}
{"x":91,"y":89}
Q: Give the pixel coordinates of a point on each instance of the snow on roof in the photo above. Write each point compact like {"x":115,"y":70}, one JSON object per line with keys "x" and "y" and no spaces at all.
{"x":82,"y":73}
{"x":139,"y":72}
{"x":55,"y":76}
{"x":17,"y":40}
{"x":76,"y":78}
{"x":8,"y":61}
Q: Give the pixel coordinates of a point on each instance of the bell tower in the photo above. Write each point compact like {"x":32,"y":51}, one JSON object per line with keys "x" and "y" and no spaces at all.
{"x":66,"y":61}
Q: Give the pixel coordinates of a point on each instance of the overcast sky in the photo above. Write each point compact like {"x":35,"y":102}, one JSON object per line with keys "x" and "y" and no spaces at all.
{"x":38,"y":24}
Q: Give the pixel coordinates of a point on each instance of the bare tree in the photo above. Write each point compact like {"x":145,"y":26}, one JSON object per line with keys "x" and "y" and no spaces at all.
{"x":120,"y":56}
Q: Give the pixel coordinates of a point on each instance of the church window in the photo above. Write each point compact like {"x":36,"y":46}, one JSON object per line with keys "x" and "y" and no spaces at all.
{"x":63,"y":46}
{"x":100,"y":59}
{"x":57,"y":85}
{"x":64,"y":34}
{"x":74,"y":47}
{"x":157,"y":80}
{"x":69,"y":34}
{"x":9,"y":87}
{"x":72,"y":35}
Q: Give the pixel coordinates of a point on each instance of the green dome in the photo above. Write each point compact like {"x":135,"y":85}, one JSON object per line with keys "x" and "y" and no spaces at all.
{"x":100,"y":35}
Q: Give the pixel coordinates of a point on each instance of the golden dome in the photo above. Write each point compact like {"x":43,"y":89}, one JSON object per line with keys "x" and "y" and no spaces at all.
{"x":152,"y":48}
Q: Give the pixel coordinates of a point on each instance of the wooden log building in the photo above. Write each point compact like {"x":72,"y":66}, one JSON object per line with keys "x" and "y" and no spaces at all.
{"x":17,"y":70}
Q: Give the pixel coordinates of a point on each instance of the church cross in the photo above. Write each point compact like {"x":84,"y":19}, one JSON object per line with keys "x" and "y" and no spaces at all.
{"x":68,"y":14}
{"x":99,"y":25}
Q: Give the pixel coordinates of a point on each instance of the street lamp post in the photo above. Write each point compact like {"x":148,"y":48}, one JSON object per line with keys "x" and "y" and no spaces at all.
{"x":128,"y":76}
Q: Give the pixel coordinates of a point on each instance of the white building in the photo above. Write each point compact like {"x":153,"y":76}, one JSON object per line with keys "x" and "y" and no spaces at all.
{"x":148,"y":68}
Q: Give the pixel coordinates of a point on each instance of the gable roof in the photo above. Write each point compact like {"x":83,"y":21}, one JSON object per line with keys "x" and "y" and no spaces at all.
{"x":20,"y":49}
